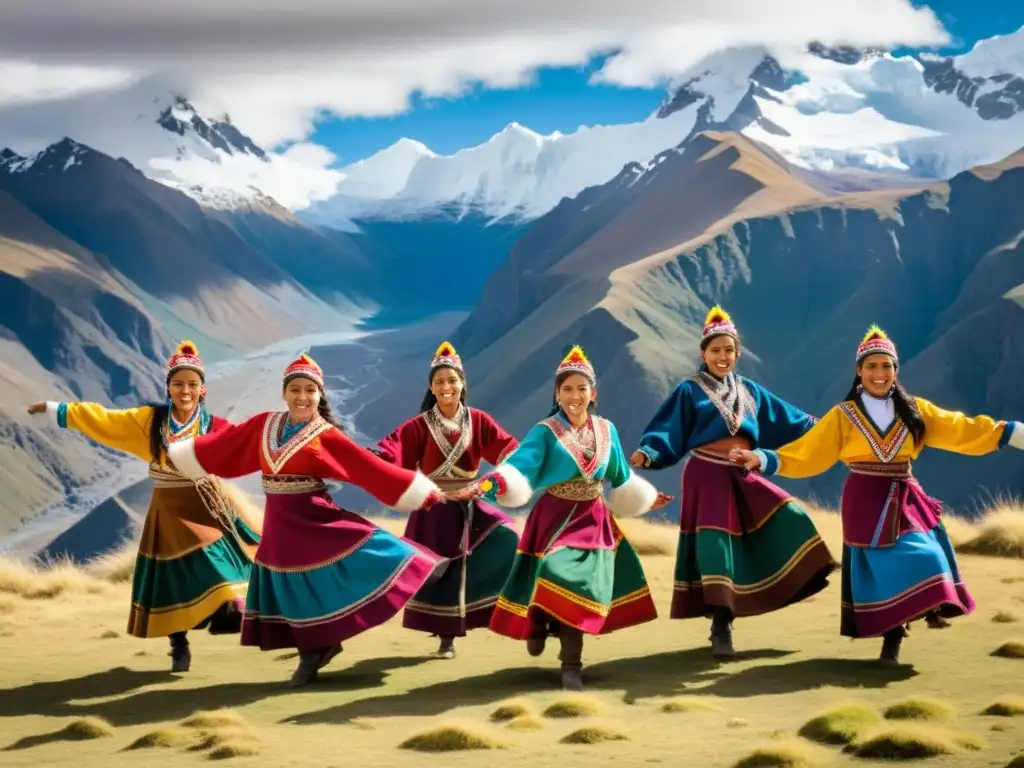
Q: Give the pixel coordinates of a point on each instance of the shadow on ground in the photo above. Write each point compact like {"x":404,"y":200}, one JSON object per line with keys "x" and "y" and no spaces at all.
{"x":135,"y":707}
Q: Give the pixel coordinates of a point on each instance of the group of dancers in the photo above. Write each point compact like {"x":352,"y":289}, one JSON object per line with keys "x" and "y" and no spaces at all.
{"x":311,"y":575}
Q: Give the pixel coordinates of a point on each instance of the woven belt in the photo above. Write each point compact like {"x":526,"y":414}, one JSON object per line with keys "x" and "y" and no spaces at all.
{"x":453,"y":483}
{"x":714,"y":458}
{"x":578,"y":490}
{"x":165,"y":478}
{"x":902,"y":470}
{"x":279,"y":484}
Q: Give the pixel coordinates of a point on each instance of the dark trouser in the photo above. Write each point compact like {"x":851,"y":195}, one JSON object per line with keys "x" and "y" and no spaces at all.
{"x":721,"y":620}
{"x":179,"y":642}
{"x":571,"y":654}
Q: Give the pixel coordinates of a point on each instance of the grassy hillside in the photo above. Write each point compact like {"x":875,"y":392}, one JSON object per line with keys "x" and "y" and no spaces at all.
{"x":75,"y":688}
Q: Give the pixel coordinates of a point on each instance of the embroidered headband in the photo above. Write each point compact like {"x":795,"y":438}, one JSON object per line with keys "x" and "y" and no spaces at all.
{"x":876,"y":341}
{"x":185,"y":358}
{"x":306,"y":367}
{"x":446,"y":357}
{"x":576,"y":362}
{"x":718,"y":323}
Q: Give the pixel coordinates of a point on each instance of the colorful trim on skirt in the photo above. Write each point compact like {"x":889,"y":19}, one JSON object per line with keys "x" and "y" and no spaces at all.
{"x":188,"y":568}
{"x":744,"y":544}
{"x":884,"y":588}
{"x":465,"y":596}
{"x":575,"y":566}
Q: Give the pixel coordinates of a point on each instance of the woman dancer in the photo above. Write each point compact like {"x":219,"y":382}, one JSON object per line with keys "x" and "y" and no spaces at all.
{"x":575,"y":571}
{"x":197,"y":544}
{"x":746,"y":547}
{"x":322,"y":574}
{"x":898,"y":564}
{"x":447,"y":440}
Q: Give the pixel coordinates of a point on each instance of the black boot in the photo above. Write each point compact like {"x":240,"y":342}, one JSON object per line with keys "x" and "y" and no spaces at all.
{"x":934,"y":621}
{"x":538,"y":637}
{"x":891,"y":646}
{"x":446,"y":650}
{"x":721,"y":634}
{"x":181,"y":656}
{"x":311,"y":662}
{"x":227,"y":620}
{"x":571,"y":656}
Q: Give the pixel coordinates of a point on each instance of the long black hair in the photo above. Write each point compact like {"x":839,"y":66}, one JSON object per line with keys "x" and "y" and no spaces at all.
{"x":904,"y":405}
{"x":430,"y":399}
{"x":559,"y":379}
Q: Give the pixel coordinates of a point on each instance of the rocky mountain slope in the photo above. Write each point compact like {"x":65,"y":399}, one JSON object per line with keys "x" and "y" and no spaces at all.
{"x":629,"y":270}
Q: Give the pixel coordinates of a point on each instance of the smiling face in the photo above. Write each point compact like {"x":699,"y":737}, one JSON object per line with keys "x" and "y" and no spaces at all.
{"x":720,"y":355}
{"x":877,"y":373}
{"x":446,"y":384}
{"x":185,"y":388}
{"x":574,"y":395}
{"x":302,"y":396}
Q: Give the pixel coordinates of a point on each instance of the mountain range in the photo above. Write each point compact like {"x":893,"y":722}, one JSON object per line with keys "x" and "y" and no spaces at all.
{"x":862,"y":188}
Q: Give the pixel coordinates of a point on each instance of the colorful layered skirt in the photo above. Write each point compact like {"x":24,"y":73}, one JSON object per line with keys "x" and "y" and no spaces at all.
{"x":744,"y":543}
{"x":898,"y":563}
{"x":323,"y":574}
{"x":193,"y":564}
{"x":480,"y":542}
{"x":575,"y":567}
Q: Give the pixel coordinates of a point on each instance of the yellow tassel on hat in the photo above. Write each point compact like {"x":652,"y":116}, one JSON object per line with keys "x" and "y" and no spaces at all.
{"x":576,"y":355}
{"x":717,"y":315}
{"x":187,"y":347}
{"x":446,"y":349}
{"x":874,"y":332}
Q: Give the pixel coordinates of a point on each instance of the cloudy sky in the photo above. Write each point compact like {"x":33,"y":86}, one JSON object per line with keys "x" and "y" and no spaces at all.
{"x":352,"y":77}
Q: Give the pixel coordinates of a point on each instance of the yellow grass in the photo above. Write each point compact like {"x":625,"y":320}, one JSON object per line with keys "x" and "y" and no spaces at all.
{"x":1011,"y":649}
{"x":688,"y":704}
{"x":1007,"y":706}
{"x":578,"y":705}
{"x":166,"y":738}
{"x":87,"y":728}
{"x":791,"y":667}
{"x":785,"y":753}
{"x":920,"y":708}
{"x":595,"y":734}
{"x":840,"y":724}
{"x":999,"y":534}
{"x":1004,"y":617}
{"x":511,"y":709}
{"x":452,"y":737}
{"x":651,"y":537}
{"x":912,"y":741}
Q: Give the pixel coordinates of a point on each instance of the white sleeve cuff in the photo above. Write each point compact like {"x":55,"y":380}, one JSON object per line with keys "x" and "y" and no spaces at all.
{"x":416,"y":494}
{"x":517,"y":487}
{"x":182,"y":455}
{"x":633,"y":498}
{"x":1016,"y":435}
{"x":52,"y":407}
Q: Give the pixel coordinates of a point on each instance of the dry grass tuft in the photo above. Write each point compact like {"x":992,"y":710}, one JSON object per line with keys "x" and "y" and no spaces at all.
{"x":687,"y":704}
{"x":8,"y":604}
{"x":595,"y":734}
{"x":167,"y":738}
{"x":363,"y":724}
{"x":1004,"y":617}
{"x":650,"y":537}
{"x":214,"y":719}
{"x":109,"y":635}
{"x":999,"y":727}
{"x":841,"y":724}
{"x":1006,"y":706}
{"x":1016,"y":762}
{"x":115,"y":567}
{"x":735,"y":722}
{"x":86,"y":728}
{"x":48,"y":580}
{"x":525,"y":723}
{"x":913,"y":741}
{"x":1012,"y":649}
{"x":1000,"y":533}
{"x":511,"y":709}
{"x":780,"y":754}
{"x":919,"y":708}
{"x":235,"y":748}
{"x":454,"y":737}
{"x":217,"y":737}
{"x":574,"y":706}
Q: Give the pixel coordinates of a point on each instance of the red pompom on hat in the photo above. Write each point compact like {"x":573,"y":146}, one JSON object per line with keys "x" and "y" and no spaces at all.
{"x":576,"y":362}
{"x":185,"y":358}
{"x":306,"y":367}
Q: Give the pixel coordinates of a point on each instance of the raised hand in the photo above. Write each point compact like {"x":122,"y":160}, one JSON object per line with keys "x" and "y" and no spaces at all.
{"x":638,"y":459}
{"x":463,"y":494}
{"x":661,"y":501}
{"x":37,"y":408}
{"x":746,"y":459}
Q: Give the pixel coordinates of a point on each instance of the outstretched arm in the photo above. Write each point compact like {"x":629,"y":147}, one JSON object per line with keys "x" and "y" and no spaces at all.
{"x":514,"y":480}
{"x":664,"y":442}
{"x":231,"y":451}
{"x":778,"y":422}
{"x":814,"y":453}
{"x":970,"y":435}
{"x":124,"y":429}
{"x":631,"y":495}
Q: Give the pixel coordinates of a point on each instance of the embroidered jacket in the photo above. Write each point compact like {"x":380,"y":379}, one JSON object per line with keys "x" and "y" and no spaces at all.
{"x":692,"y":416}
{"x":447,"y":449}
{"x":318,"y":450}
{"x":847,"y":434}
{"x":128,"y":429}
{"x":553,"y":452}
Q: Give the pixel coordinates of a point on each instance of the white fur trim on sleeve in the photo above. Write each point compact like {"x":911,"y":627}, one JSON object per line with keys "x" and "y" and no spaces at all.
{"x":633,"y":498}
{"x":183,"y":456}
{"x":1016,"y":435}
{"x":416,"y":494}
{"x":517,"y":487}
{"x":51,"y":411}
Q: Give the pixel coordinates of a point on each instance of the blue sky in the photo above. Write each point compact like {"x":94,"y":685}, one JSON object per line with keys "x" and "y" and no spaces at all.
{"x":562,"y":99}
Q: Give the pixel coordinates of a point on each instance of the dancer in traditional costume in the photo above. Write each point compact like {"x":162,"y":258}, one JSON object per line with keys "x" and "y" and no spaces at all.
{"x":898,"y":563}
{"x":447,"y":441}
{"x":321,"y":574}
{"x":198,"y":540}
{"x":746,"y":547}
{"x":575,"y":571}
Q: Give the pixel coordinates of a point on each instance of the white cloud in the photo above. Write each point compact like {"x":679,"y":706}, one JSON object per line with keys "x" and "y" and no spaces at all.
{"x":276,"y":65}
